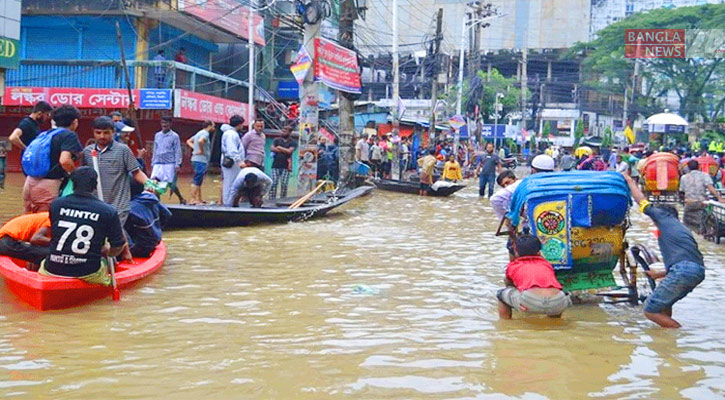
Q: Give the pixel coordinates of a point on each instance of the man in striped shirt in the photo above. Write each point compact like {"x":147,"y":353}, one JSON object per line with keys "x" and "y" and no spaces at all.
{"x":116,"y":166}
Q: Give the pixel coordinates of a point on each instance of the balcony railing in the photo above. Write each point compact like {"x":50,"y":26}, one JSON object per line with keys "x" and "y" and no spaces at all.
{"x":109,"y":74}
{"x":84,"y":6}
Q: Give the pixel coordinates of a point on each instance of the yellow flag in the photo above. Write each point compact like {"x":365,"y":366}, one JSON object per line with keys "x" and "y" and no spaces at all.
{"x":629,"y":134}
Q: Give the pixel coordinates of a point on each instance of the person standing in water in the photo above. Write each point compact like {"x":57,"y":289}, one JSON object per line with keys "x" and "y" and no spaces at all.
{"x":684,"y":265}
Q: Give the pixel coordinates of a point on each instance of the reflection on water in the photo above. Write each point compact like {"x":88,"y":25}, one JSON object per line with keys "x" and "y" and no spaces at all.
{"x":277,"y":311}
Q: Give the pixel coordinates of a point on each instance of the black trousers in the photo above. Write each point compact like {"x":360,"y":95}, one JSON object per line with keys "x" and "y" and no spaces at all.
{"x":22,"y":250}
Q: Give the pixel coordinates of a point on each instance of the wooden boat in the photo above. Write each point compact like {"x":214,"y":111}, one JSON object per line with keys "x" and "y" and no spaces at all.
{"x":49,"y":293}
{"x":412,"y":187}
{"x":197,"y":216}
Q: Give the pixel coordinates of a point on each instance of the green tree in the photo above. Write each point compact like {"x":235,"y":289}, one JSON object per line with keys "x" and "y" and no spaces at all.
{"x":607,"y":70}
{"x":608,"y":138}
{"x":481,"y":91}
{"x":579,"y":133}
{"x":546,"y":130}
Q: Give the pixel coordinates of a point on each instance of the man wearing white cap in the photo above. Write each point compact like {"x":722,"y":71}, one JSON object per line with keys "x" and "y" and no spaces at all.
{"x":542,"y":163}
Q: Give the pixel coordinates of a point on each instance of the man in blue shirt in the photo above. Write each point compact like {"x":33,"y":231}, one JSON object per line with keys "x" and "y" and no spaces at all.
{"x":684,"y":266}
{"x":145,"y":222}
{"x":488,"y":165}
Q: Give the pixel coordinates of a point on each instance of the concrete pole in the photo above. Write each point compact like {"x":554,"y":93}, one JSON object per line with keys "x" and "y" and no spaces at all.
{"x":396,"y":67}
{"x":524,"y":79}
{"x":495,"y":121}
{"x":460,"y":69}
{"x":434,"y":88}
{"x":309,"y":109}
{"x":346,"y":105}
{"x":250,"y":44}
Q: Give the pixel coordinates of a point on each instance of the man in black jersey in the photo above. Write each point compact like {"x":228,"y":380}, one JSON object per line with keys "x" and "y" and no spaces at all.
{"x":80,"y":224}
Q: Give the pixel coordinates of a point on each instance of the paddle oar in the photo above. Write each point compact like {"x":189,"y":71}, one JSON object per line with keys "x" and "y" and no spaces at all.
{"x":306,"y":197}
{"x":116,"y":294}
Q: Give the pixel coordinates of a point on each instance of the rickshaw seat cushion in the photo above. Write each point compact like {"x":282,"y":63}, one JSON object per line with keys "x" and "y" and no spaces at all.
{"x":588,"y":210}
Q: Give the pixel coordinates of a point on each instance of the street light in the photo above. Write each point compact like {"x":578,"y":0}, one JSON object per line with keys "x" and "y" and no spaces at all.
{"x":250,"y":44}
{"x":464,"y":25}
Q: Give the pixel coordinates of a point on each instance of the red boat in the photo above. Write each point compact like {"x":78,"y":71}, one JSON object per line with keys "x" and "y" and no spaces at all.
{"x":49,"y":293}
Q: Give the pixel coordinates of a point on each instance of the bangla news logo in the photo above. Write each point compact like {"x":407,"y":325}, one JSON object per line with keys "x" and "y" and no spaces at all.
{"x":674,"y":43}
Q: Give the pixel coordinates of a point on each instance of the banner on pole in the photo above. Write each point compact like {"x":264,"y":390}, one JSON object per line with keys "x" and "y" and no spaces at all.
{"x":401,"y":108}
{"x":337,"y":67}
{"x":302,"y":65}
{"x":457,"y":122}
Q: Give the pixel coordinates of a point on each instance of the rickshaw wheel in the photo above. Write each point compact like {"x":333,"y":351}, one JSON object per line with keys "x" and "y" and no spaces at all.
{"x":646,"y":285}
{"x":711,"y":228}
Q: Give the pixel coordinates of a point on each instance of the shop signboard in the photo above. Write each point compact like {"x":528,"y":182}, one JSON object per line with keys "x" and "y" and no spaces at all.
{"x":155,"y":99}
{"x":200,"y":107}
{"x":229,"y":15}
{"x":9,"y":53}
{"x":79,"y":97}
{"x":336,"y":66}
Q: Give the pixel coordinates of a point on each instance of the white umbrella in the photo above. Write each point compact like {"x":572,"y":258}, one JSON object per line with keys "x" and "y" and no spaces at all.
{"x":665,"y":122}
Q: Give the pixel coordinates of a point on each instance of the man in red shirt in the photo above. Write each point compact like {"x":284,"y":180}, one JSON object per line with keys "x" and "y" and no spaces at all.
{"x":531,"y":284}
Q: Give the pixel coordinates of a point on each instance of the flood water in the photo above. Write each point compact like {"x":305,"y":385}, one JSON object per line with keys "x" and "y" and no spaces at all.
{"x":392,"y":296}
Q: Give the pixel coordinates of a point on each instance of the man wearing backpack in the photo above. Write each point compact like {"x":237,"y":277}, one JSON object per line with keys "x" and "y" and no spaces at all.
{"x":29,"y":126}
{"x":49,"y":158}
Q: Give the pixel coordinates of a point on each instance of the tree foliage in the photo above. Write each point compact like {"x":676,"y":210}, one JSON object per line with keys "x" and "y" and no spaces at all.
{"x":608,"y":138}
{"x":694,"y":80}
{"x":481,"y":91}
{"x":578,"y":133}
{"x":546,"y":130}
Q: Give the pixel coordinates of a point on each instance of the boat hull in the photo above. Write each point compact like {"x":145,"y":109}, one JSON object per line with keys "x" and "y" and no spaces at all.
{"x":203,"y":216}
{"x":414,"y":187}
{"x":51,"y":293}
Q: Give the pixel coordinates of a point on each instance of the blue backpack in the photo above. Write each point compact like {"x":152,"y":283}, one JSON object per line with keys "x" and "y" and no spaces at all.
{"x":36,"y":158}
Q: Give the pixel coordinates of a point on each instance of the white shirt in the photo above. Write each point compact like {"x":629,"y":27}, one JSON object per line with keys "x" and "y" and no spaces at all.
{"x":262,"y":179}
{"x":231,"y":144}
{"x":622,"y":167}
{"x":362,"y":150}
{"x":501,"y":200}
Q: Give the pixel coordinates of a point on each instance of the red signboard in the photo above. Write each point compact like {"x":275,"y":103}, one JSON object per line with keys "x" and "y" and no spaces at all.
{"x":336,"y":67}
{"x":200,"y":107}
{"x":79,"y":97}
{"x":228,"y":15}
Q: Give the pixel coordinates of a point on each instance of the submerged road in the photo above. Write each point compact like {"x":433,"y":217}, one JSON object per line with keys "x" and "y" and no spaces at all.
{"x":392,"y":296}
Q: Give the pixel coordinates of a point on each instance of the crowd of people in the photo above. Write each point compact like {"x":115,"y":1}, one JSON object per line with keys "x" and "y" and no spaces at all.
{"x":83,"y":204}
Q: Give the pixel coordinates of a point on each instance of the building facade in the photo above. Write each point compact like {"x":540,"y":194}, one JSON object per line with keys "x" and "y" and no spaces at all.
{"x":69,"y":53}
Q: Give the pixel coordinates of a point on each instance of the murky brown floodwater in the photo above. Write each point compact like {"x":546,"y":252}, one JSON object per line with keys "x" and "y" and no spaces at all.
{"x":272,"y":312}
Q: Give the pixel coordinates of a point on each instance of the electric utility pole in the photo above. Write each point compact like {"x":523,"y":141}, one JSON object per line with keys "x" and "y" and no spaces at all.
{"x":524,"y":79}
{"x":250,"y":44}
{"x":348,"y":14}
{"x":435,"y":68}
{"x":309,"y":96}
{"x":396,"y":67}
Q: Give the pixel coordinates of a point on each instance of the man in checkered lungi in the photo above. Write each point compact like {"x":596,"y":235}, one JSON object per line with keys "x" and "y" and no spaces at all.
{"x":283,"y":148}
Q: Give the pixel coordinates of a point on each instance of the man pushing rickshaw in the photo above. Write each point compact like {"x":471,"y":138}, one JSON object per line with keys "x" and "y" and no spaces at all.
{"x":580,"y":220}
